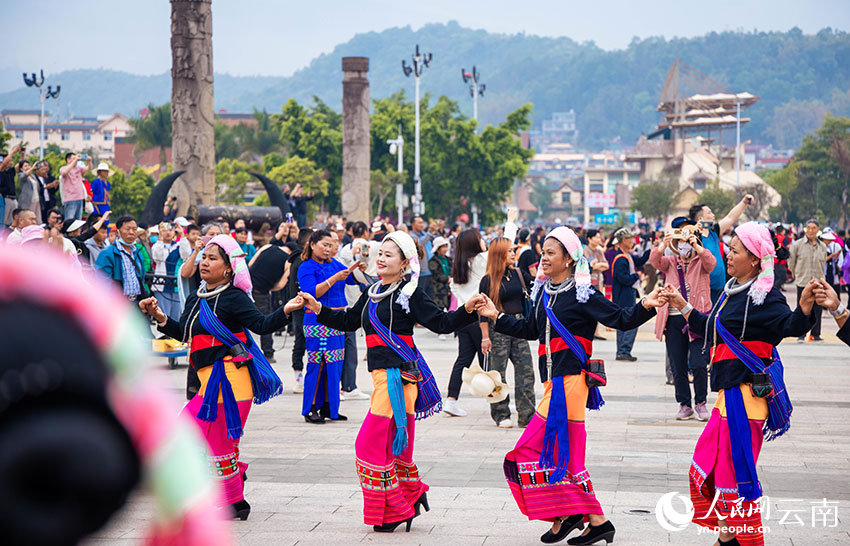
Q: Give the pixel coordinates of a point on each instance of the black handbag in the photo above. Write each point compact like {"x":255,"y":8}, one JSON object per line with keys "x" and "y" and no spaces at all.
{"x":527,"y":304}
{"x":761,"y":385}
{"x":595,"y":373}
{"x":410,"y":373}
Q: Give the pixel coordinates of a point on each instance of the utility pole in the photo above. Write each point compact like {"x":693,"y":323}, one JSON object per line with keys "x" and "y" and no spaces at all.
{"x":44,"y":94}
{"x":421,"y":61}
{"x":397,"y":148}
{"x":737,"y":142}
{"x":475,"y":89}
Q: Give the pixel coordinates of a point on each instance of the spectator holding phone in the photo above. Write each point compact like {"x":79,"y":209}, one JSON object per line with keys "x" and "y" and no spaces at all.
{"x":712,"y":230}
{"x":74,"y":190}
{"x":8,"y":195}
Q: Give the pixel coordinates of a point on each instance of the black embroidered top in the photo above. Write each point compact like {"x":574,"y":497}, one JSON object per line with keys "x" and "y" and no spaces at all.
{"x":235,"y":310}
{"x":423,"y":311}
{"x":579,"y":318}
{"x":767,"y":325}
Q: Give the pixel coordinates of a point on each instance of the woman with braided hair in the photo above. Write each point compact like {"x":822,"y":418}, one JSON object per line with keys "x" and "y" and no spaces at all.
{"x":546,"y":470}
{"x":403,"y":387}
{"x":742,"y":330}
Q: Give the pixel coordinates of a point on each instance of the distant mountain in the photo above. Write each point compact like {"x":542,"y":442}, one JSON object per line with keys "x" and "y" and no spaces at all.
{"x":614,"y":93}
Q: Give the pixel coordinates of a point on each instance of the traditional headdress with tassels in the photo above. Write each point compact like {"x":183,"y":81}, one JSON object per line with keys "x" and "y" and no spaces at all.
{"x":756,"y":238}
{"x":408,"y":250}
{"x":241,"y":276}
{"x":575,"y":249}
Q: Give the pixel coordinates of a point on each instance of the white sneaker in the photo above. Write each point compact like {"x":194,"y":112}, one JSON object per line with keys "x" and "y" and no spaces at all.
{"x":453,"y":409}
{"x":505,"y":423}
{"x":299,"y":383}
{"x":356,"y":394}
{"x":441,"y":337}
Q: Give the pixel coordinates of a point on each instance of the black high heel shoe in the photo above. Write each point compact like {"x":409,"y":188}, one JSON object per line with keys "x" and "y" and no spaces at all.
{"x":390,"y":527}
{"x":327,"y":415}
{"x":241,"y":509}
{"x":314,"y":418}
{"x":733,"y":542}
{"x":595,"y":534}
{"x":423,"y":502}
{"x":568,"y":525}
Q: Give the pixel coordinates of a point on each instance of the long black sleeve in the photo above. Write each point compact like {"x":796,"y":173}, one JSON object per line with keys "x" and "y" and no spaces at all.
{"x":344,"y":320}
{"x":524,"y":328}
{"x":426,"y":313}
{"x":600,"y":309}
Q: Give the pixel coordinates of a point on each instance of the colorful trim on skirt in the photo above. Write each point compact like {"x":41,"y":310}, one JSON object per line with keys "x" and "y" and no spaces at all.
{"x":536,"y":497}
{"x":222,"y":452}
{"x":713,"y":488}
{"x":390,"y":484}
{"x":325,"y":351}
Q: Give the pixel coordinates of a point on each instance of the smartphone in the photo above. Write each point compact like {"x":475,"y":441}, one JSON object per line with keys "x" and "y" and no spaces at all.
{"x":84,"y":156}
{"x":706,"y":225}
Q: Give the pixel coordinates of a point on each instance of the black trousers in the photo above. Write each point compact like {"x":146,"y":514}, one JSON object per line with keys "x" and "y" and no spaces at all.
{"x":685,"y":355}
{"x":300,"y":345}
{"x":263,"y":300}
{"x":816,"y":309}
{"x":468,"y":345}
{"x":426,"y":285}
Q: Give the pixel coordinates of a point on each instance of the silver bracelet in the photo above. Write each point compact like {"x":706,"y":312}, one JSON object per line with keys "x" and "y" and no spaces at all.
{"x":838,"y":312}
{"x":686,"y":309}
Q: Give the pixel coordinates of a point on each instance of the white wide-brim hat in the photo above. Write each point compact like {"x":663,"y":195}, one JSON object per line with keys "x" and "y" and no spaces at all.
{"x":483,"y":384}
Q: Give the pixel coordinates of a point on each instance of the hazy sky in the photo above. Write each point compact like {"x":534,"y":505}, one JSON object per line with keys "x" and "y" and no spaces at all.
{"x":273,"y":37}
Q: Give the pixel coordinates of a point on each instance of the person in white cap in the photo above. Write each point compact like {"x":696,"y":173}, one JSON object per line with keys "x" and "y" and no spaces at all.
{"x":100,"y":189}
{"x":404,"y":389}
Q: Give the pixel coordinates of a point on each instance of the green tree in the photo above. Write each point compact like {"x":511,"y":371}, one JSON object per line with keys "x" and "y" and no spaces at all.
{"x":227,"y":145}
{"x":129,"y":194}
{"x":231,"y":179}
{"x":298,"y":170}
{"x":719,"y":200}
{"x":541,"y":197}
{"x":315,"y":133}
{"x":153,"y":131}
{"x":784,"y":181}
{"x":4,"y":138}
{"x":654,"y":198}
{"x":382,"y":184}
{"x":823,"y":183}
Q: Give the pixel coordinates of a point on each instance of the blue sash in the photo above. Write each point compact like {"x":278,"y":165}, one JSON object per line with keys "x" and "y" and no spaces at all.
{"x":264,"y":381}
{"x":557,"y":429}
{"x":778,"y":403}
{"x":429,"y":401}
{"x":740,"y":438}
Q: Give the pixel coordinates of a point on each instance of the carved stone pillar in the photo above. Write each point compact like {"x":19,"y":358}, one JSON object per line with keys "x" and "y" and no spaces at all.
{"x":192,"y":107}
{"x":355,"y":139}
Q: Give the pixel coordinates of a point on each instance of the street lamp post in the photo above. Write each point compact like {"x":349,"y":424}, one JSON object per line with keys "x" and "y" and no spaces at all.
{"x":421,"y":61}
{"x":737,"y":142}
{"x":475,"y":89}
{"x":397,"y":148}
{"x":44,"y":94}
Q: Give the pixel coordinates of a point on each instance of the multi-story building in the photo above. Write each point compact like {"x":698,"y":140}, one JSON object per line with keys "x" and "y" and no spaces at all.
{"x":561,"y":128}
{"x":94,"y":135}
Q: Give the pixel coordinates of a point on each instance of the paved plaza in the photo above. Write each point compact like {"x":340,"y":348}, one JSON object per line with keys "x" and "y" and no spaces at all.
{"x":303,"y":489}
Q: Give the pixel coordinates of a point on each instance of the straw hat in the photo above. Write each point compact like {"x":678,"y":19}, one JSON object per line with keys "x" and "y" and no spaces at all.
{"x":483,"y":384}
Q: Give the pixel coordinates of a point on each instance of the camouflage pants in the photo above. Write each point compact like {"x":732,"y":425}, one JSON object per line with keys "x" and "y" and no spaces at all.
{"x":506,"y":347}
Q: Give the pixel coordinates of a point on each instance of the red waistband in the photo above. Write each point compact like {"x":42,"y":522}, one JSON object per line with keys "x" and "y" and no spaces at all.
{"x":205,"y":341}
{"x":761,"y":349}
{"x":559,"y":344}
{"x":374,"y":340}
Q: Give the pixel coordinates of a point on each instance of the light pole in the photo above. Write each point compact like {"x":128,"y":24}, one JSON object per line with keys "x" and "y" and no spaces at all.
{"x":737,"y":142}
{"x":421,"y":61}
{"x":397,"y":148}
{"x":475,"y":89}
{"x":44,"y":94}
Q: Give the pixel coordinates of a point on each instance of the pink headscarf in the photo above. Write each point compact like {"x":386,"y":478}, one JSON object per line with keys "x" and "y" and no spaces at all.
{"x":756,"y":238}
{"x":241,"y":277}
{"x":575,"y":249}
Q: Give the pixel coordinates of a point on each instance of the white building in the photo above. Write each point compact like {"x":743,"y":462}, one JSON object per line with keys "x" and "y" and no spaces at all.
{"x":94,"y":135}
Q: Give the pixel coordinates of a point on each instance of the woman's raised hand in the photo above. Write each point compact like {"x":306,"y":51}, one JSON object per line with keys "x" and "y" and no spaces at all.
{"x":293,"y":305}
{"x":150,"y":307}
